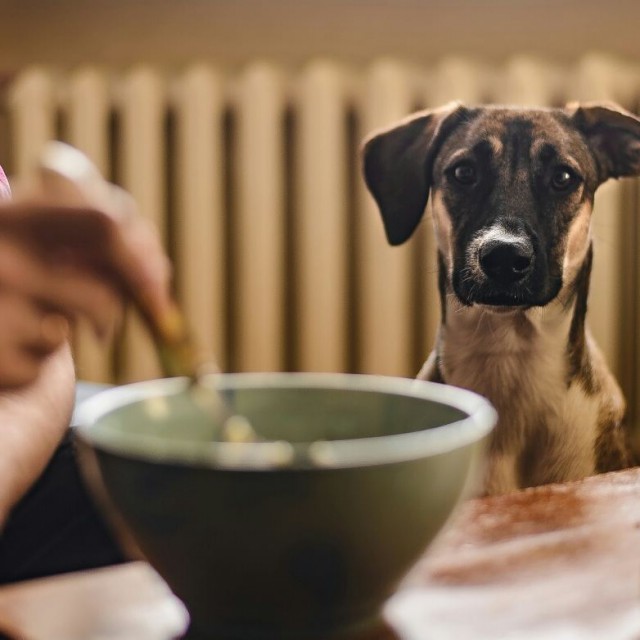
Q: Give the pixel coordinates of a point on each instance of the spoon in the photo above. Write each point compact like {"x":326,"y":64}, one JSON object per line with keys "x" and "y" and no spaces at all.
{"x":69,"y":179}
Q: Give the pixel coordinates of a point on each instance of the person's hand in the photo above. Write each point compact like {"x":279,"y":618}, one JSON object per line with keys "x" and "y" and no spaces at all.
{"x":66,"y":253}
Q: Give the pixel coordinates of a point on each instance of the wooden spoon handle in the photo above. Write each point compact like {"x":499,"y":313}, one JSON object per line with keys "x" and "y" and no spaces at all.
{"x":176,"y":348}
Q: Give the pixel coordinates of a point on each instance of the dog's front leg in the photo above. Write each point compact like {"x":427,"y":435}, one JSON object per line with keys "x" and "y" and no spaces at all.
{"x":501,"y":476}
{"x":431,"y":370}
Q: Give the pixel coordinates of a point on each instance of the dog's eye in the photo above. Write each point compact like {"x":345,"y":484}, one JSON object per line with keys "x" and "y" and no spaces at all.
{"x":563,"y":178}
{"x":464,"y":173}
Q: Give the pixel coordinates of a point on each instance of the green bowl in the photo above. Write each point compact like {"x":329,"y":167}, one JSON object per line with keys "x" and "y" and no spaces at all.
{"x":259,"y":547}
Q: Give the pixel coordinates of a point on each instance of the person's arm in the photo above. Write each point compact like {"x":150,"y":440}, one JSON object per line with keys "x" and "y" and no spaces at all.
{"x":33,"y":420}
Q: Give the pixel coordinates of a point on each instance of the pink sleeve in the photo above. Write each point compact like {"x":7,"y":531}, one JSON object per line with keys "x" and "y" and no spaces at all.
{"x":5,"y":189}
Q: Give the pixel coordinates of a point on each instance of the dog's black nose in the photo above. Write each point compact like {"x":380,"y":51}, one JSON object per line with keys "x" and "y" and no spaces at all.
{"x":506,"y":263}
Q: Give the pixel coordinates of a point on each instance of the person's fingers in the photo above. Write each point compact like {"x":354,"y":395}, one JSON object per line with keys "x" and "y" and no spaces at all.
{"x":20,"y":363}
{"x":66,"y":290}
{"x":54,"y":331}
{"x":18,"y":368}
{"x":143,"y":267}
{"x":122,"y":249}
{"x":137,"y":256}
{"x":28,"y":335}
{"x":78,"y":295}
{"x":20,"y":318}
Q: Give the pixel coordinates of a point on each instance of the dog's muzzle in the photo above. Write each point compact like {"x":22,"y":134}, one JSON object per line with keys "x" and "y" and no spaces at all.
{"x":500,"y":267}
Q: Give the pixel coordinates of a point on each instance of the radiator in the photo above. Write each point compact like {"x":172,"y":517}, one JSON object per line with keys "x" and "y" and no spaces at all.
{"x":252,"y":176}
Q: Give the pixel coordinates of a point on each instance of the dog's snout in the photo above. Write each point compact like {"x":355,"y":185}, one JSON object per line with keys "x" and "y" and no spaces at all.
{"x":506,"y":263}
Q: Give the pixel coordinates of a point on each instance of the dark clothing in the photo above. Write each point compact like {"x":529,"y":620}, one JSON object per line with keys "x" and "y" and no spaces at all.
{"x":55,"y":528}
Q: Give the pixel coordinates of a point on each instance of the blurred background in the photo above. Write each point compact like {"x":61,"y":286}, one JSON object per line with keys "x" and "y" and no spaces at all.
{"x":236,"y":125}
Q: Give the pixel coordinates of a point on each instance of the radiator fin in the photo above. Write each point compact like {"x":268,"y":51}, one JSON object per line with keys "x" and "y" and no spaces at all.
{"x":201,"y":251}
{"x":384,"y":273}
{"x":258,"y":284}
{"x":320,"y":265}
{"x":88,"y":108}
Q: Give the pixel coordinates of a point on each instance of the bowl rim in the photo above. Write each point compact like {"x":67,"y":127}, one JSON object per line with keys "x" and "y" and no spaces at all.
{"x":480,"y":419}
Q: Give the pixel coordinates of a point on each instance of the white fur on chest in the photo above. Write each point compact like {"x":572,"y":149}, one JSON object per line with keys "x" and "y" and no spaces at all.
{"x":518,"y":361}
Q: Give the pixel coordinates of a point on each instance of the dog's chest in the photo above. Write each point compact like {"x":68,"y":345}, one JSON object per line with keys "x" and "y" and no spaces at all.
{"x":499,"y":353}
{"x":519,"y":364}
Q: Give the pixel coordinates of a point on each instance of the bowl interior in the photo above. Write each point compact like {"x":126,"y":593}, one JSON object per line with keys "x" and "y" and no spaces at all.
{"x":295,"y":414}
{"x":363,"y":419}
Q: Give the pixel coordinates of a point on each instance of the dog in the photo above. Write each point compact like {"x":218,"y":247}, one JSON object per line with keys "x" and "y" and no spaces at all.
{"x":511,"y":195}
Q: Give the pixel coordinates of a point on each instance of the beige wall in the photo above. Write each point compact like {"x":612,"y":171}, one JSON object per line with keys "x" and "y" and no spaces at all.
{"x":124,"y":31}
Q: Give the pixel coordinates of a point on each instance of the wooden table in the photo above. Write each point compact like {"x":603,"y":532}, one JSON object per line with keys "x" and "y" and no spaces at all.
{"x":553,"y":563}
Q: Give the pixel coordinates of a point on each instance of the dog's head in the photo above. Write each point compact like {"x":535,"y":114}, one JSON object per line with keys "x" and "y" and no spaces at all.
{"x":511,"y":191}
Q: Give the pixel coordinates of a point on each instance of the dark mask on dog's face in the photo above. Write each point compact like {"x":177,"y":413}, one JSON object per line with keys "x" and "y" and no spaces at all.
{"x":511,"y":191}
{"x":513,"y":187}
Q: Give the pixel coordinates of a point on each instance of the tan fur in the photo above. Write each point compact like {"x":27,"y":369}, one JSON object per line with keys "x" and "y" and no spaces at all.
{"x":577,"y":243}
{"x":442,"y":227}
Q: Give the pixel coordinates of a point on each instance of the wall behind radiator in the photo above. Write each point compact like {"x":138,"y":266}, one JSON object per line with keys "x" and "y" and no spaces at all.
{"x":234,"y":31}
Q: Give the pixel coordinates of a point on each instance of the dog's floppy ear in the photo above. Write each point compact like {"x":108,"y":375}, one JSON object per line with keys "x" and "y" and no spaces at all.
{"x":613,"y":135}
{"x":397,"y":166}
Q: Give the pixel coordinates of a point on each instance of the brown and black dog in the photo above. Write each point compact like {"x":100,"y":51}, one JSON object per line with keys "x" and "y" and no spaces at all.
{"x":511,"y":192}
